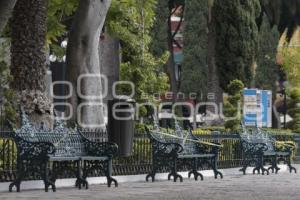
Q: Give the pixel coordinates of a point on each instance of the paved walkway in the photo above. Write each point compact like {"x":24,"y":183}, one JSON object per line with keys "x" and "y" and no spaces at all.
{"x":284,"y":186}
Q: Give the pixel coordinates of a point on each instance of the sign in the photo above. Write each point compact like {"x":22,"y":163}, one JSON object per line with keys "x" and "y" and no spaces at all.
{"x":257,"y":109}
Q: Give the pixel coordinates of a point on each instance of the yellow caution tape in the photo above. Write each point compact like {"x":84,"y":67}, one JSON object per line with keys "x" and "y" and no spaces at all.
{"x":196,"y":141}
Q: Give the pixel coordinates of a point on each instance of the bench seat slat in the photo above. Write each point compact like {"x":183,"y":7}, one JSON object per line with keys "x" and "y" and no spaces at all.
{"x":196,"y":156}
{"x":62,"y":158}
{"x":94,"y":158}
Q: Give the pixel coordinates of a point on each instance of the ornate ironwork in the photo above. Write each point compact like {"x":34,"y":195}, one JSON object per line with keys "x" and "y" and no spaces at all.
{"x":259,"y":148}
{"x":230,"y":156}
{"x":184,"y":149}
{"x":66,"y":149}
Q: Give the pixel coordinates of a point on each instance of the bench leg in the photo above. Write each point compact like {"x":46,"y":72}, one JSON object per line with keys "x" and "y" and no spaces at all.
{"x":110,"y":180}
{"x":151,"y":175}
{"x":19,"y":178}
{"x":46,"y":179}
{"x":246,"y":163}
{"x":274,"y":166}
{"x":261,"y":166}
{"x":291,"y":168}
{"x":258,"y":159}
{"x":287,"y":160}
{"x":214,"y":165}
{"x":153,"y":172}
{"x":81,"y":179}
{"x":174,"y":172}
{"x":53,"y":175}
{"x":257,"y":164}
{"x":194,"y":170}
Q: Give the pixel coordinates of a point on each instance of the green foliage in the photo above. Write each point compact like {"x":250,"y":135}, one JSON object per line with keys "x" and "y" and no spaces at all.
{"x":140,"y":128}
{"x":58,"y":13}
{"x":231,"y":103}
{"x":267,"y":69}
{"x":131,"y":21}
{"x":287,"y":145}
{"x":142,"y":111}
{"x":236,"y":39}
{"x":294,"y":109}
{"x":10,"y":156}
{"x":291,"y":64}
{"x":160,"y":29}
{"x":7,"y":95}
{"x":235,"y":87}
{"x":194,"y":66}
{"x":282,"y":134}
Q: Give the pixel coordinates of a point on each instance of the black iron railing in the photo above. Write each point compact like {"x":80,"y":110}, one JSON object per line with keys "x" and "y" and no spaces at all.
{"x":8,"y":157}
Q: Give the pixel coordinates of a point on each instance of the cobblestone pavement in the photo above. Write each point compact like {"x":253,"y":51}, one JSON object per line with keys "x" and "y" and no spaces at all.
{"x":284,"y":186}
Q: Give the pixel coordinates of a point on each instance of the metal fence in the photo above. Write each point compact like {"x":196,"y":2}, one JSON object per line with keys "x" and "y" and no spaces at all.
{"x":139,"y":162}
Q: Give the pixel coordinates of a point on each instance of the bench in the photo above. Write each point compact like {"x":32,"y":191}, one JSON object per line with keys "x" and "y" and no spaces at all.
{"x":53,"y":152}
{"x":170,"y":148}
{"x":273,"y":154}
{"x":253,"y":149}
{"x":260,"y":147}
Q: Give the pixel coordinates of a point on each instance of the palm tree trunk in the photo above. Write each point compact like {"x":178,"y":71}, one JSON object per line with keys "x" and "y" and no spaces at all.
{"x":28,"y":56}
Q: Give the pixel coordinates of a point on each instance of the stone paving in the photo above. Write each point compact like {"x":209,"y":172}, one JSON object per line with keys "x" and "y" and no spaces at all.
{"x":284,"y":186}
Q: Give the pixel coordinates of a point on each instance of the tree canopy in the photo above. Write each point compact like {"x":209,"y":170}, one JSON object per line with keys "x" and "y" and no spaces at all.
{"x":236,"y":39}
{"x":132,"y":22}
{"x":194,"y":66}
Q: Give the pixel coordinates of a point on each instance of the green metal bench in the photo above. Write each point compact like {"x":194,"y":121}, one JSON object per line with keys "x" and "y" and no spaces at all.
{"x":274,"y":155}
{"x":253,"y":149}
{"x":170,"y":148}
{"x":53,"y":152}
{"x":259,"y":148}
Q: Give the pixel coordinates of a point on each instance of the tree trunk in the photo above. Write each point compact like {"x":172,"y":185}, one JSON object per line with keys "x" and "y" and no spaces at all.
{"x":214,"y":92}
{"x":83,"y":59}
{"x":6,"y":8}
{"x":110,"y":62}
{"x":28,"y":66}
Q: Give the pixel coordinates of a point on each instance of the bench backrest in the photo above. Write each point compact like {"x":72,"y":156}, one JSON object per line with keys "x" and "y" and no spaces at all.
{"x":256,"y":136}
{"x":68,"y":142}
{"x":185,"y":138}
{"x":156,"y":132}
{"x":265,"y":138}
{"x":27,"y":131}
{"x":188,"y":140}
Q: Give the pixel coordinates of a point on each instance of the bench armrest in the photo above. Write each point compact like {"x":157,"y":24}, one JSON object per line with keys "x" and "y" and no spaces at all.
{"x":162,"y":147}
{"x":217,"y":147}
{"x":170,"y":148}
{"x":254,"y":147}
{"x":206,"y":147}
{"x":167,"y":148}
{"x":94,"y":148}
{"x":29,"y":150}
